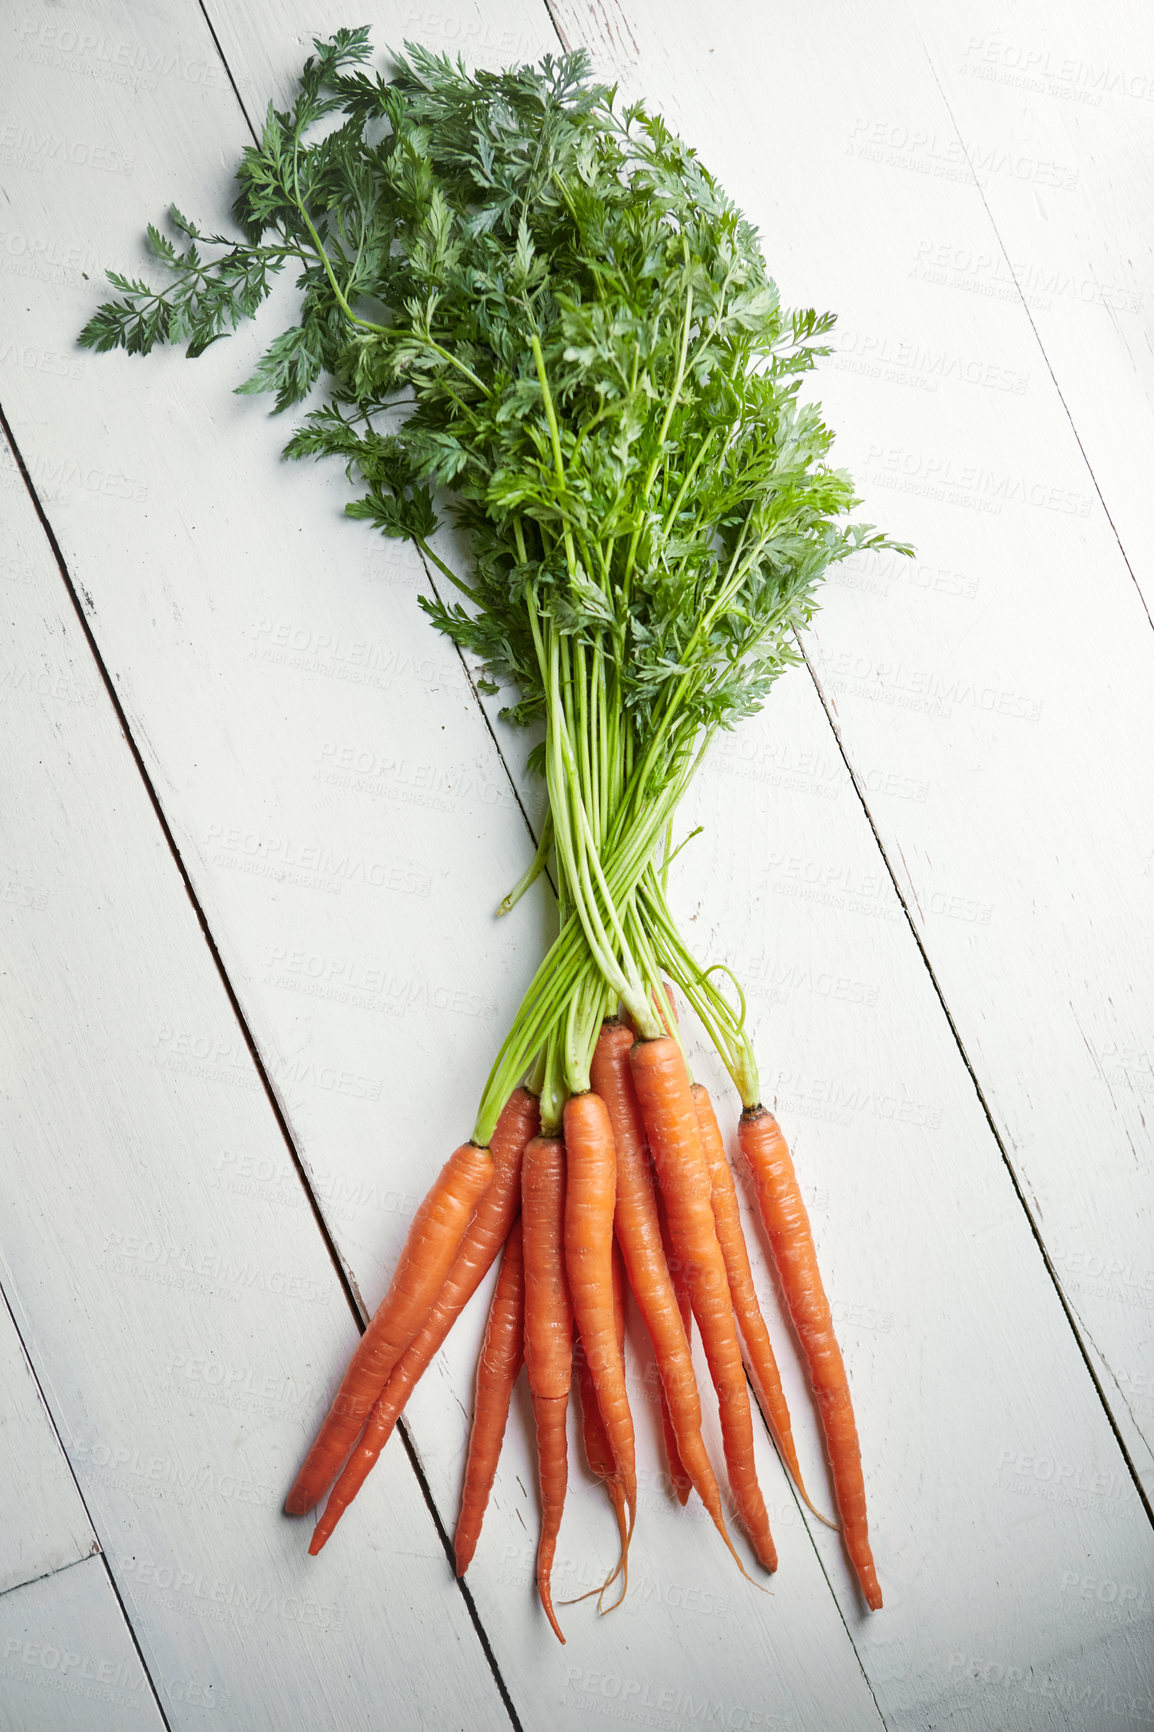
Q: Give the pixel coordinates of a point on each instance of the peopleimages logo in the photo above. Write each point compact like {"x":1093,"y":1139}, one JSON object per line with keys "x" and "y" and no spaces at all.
{"x":45,"y":257}
{"x":91,"y":54}
{"x":642,"y":1703}
{"x":1104,"y":1591}
{"x":1091,"y":1698}
{"x":311,"y":865}
{"x":902,"y":361}
{"x":969,"y":483}
{"x":943,"y":156}
{"x":93,"y":1676}
{"x":202,"y":1269}
{"x":991,"y":274}
{"x":1031,"y":66}
{"x":214,"y":1596}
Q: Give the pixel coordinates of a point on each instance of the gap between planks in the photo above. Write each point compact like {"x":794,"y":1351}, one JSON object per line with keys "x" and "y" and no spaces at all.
{"x":97,"y":1550}
{"x":111,"y":1582}
{"x":344,"y":1276}
{"x":57,"y":1569}
{"x":987,"y":1111}
{"x":1037,"y":335}
{"x":1081,"y":1335}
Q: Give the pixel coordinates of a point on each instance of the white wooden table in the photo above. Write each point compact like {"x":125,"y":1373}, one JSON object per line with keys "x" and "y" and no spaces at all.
{"x":255,"y":827}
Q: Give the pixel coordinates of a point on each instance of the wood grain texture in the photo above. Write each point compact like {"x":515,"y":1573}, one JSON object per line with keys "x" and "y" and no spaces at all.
{"x":1051,"y":106}
{"x":347,"y":873}
{"x":992,"y":736}
{"x":162,"y":1261}
{"x":43,"y":1525}
{"x":348,"y":826}
{"x":68,"y":1662}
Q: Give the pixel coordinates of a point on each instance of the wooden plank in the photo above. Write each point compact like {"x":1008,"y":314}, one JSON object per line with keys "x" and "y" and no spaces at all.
{"x":983,"y":1628}
{"x":398,"y":769}
{"x":989,"y":1620}
{"x":311,"y":664}
{"x":160,"y":1256}
{"x":1064,"y":94}
{"x":977,"y":710}
{"x":860,"y":1047}
{"x":67,"y":1660}
{"x":1052,"y":106}
{"x":43,"y":1525}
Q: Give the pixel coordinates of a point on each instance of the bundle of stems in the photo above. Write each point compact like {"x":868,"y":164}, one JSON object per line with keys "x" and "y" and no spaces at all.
{"x":536,"y":311}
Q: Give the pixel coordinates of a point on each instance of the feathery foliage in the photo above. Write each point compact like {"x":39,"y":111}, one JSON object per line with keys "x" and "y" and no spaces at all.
{"x":539,"y":313}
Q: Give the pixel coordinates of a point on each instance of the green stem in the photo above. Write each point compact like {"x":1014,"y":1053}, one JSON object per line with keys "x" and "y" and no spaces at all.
{"x":435,"y":559}
{"x":555,"y":440}
{"x":369,"y":324}
{"x":670,"y":406}
{"x":534,"y":869}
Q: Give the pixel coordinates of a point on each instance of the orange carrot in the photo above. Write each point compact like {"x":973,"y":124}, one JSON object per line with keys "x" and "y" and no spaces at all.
{"x":731,"y":1237}
{"x":590,"y":1197}
{"x":434,"y":1236}
{"x":671,"y":1126}
{"x":485,"y":1235}
{"x":639,"y":1235}
{"x":548,"y":1340}
{"x":667,"y":1011}
{"x":787,"y":1225}
{"x":678,"y":1478}
{"x":598,"y":1452}
{"x":497,"y":1369}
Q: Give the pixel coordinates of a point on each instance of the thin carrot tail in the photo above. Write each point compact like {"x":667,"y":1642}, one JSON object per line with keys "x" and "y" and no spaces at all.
{"x":625,"y":1530}
{"x":599,"y":1457}
{"x":353,"y":1475}
{"x":480,"y":1473}
{"x":678,"y":1478}
{"x":616,"y":1496}
{"x":837,"y":1421}
{"x":553,"y":1472}
{"x":497,"y":1371}
{"x":787,"y":1449}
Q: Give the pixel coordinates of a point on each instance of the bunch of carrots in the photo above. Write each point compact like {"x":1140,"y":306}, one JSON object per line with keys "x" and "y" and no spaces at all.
{"x":639,"y":1173}
{"x":539,"y":313}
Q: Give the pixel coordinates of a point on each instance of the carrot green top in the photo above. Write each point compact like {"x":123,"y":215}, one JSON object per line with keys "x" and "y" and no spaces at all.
{"x":536,"y":309}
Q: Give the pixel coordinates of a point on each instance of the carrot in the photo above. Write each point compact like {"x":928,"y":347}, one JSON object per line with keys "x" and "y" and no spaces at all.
{"x":639,"y":1235}
{"x":731,"y":1237}
{"x":501,"y":1357}
{"x":787,"y":1225}
{"x":678,"y":1478}
{"x":590,"y":1198}
{"x":485,"y":1235}
{"x":548,"y":1340}
{"x":598,"y":1451}
{"x":671,"y":1125}
{"x":428,"y":1253}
